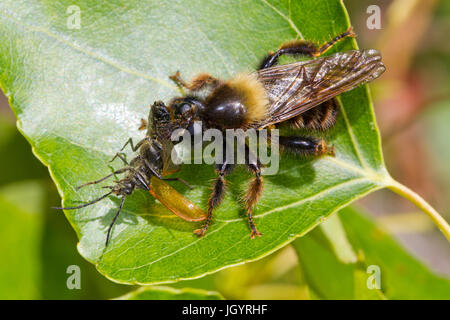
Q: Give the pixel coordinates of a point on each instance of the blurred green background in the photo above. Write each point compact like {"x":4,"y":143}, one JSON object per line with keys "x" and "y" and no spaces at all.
{"x":412,"y":104}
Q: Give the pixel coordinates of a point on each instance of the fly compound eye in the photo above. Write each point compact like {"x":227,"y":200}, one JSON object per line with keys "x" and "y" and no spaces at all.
{"x":182,"y":108}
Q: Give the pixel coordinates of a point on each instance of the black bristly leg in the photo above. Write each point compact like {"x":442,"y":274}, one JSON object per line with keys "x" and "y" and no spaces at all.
{"x":294,"y":48}
{"x":218,"y":191}
{"x":254,"y":191}
{"x":305,"y":146}
{"x":302,"y":47}
{"x":348,"y":33}
{"x":215,"y":199}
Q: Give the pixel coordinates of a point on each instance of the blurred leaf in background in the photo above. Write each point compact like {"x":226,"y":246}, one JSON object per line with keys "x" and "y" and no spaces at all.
{"x":436,"y":135}
{"x":21,"y":233}
{"x":331,"y":276}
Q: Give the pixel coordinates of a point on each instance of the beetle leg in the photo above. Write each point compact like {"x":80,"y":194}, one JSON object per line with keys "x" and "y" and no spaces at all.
{"x":104,"y":178}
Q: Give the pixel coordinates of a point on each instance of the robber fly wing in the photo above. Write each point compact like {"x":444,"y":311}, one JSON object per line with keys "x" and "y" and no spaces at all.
{"x":297,"y":87}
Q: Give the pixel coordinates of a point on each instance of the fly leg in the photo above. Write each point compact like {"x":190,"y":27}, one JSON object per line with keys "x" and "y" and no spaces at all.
{"x":197,"y":83}
{"x":218,"y":190}
{"x":254,"y":190}
{"x":215,"y":198}
{"x":302,"y":48}
{"x":327,"y":45}
{"x":305,"y":146}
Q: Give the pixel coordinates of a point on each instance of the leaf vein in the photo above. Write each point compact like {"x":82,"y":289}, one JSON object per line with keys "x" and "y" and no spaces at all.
{"x":90,"y":53}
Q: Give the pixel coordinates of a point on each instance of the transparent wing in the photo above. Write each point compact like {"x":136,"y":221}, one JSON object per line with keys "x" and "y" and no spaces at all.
{"x":297,"y":87}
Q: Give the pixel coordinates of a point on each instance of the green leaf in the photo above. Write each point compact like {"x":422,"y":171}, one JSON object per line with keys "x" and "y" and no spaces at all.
{"x":79,"y":95}
{"x":331,"y":277}
{"x":167,"y":293}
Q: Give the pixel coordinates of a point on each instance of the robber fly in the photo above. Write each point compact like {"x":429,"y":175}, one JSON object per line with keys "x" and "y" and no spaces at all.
{"x":147,"y":170}
{"x":300,"y":94}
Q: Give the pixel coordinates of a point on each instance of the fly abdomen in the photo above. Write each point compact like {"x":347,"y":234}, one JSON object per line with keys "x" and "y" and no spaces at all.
{"x":320,"y":118}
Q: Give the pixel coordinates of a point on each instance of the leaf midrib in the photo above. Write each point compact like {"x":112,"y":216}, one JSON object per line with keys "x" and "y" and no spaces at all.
{"x":288,"y":19}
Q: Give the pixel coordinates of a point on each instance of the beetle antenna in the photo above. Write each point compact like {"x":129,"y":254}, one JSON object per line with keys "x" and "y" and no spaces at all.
{"x":85,"y":204}
{"x":114,"y":220}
